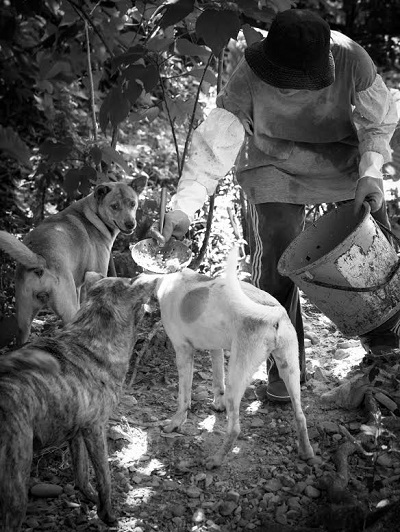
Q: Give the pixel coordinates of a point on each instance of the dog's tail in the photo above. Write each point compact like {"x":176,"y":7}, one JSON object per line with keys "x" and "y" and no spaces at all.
{"x":20,"y":252}
{"x":28,"y":359}
{"x":238,"y":297}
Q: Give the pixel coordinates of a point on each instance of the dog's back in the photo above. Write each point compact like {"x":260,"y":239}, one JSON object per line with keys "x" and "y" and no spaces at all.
{"x":205,"y":308}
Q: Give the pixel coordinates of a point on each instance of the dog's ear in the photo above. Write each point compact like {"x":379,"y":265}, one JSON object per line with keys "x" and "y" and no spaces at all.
{"x":139,"y":184}
{"x":100,"y":192}
{"x":91,"y":278}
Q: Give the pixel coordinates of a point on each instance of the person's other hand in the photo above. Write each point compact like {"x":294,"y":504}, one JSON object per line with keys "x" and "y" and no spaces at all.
{"x":176,"y":223}
{"x":369,"y":189}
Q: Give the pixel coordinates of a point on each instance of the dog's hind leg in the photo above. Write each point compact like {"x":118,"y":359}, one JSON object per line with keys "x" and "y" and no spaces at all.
{"x":80,"y":464}
{"x":64,"y":300}
{"x":95,"y":440}
{"x":246,"y":357}
{"x":218,"y":376}
{"x":184,"y":362}
{"x":287,"y":361}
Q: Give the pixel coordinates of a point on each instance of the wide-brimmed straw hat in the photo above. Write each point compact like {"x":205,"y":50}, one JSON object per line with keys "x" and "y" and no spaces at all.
{"x":296,"y":52}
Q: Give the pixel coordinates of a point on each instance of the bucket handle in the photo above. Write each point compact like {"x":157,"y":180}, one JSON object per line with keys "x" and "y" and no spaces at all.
{"x":366,"y":288}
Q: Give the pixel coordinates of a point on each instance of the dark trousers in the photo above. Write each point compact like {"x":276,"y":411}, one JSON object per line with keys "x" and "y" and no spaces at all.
{"x":272,"y":227}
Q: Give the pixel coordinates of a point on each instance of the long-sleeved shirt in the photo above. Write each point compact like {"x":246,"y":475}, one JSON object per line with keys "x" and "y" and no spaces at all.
{"x":293,"y":146}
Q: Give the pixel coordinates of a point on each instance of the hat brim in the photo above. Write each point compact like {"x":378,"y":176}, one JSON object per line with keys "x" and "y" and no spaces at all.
{"x":288,"y":78}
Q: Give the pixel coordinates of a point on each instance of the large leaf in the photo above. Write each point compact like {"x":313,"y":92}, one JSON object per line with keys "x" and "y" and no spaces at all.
{"x":72,"y":180}
{"x":159,"y":44}
{"x":88,"y":178}
{"x":57,"y":151}
{"x":185,"y":47}
{"x":216,"y":28}
{"x":179,"y":109}
{"x":80,"y":180}
{"x":175,"y":11}
{"x":251,"y":35}
{"x":115,"y":108}
{"x":12,"y":145}
{"x":110,"y":155}
{"x":130,"y":57}
{"x":148,"y":75}
{"x":95,"y":154}
{"x":151,"y":114}
{"x":254,"y":9}
{"x":279,"y":5}
{"x":104,"y":115}
{"x":208,"y":77}
{"x":119,"y":107}
{"x":133,"y":91}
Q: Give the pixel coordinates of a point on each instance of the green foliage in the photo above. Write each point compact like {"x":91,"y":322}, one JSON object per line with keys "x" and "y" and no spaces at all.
{"x":12,"y":145}
{"x":79,"y":64}
{"x":69,"y":66}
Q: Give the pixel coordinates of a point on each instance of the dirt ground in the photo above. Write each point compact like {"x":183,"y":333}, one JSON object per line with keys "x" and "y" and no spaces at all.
{"x":160,"y":482}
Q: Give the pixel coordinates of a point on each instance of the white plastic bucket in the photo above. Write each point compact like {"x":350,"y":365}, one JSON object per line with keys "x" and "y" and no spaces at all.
{"x":347,"y":268}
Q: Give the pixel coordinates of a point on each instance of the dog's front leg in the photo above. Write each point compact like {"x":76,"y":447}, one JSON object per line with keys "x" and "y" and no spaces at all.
{"x":95,"y":440}
{"x":184,"y":362}
{"x":218,"y":376}
{"x":80,"y":466}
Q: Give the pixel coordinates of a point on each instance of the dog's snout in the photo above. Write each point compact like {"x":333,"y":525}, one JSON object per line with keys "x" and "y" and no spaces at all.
{"x":130,"y":225}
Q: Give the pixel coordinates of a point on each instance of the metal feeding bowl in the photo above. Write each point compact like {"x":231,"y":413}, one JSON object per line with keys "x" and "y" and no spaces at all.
{"x":172,"y":257}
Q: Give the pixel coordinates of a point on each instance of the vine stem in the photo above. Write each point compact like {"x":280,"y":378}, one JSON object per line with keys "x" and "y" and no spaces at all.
{"x":192,"y":118}
{"x":194,"y":265}
{"x":91,"y":88}
{"x":87,"y":19}
{"x":171,"y":123}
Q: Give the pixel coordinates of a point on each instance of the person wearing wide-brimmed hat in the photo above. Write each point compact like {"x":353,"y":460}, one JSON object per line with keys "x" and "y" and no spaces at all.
{"x":305,"y":119}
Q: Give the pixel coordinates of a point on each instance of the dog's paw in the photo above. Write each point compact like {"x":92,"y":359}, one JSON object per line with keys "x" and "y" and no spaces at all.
{"x":173,"y":424}
{"x":89,"y":492}
{"x":170,"y":427}
{"x":306,"y":453}
{"x":219,"y":404}
{"x":108,"y":518}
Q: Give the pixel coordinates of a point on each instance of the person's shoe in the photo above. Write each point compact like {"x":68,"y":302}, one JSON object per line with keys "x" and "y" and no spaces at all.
{"x":380,"y":344}
{"x":276,"y":389}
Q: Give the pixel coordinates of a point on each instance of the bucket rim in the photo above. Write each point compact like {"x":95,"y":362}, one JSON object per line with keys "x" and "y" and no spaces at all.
{"x":282,"y":271}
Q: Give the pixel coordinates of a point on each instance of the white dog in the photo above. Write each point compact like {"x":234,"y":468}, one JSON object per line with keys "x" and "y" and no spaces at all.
{"x":199,"y":312}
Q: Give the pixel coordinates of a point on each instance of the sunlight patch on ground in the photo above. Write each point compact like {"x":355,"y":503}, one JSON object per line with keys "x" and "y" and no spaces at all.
{"x":136,"y":447}
{"x":150,"y":467}
{"x":342,"y":367}
{"x":236,"y":450}
{"x":137,"y":496}
{"x":208,"y":423}
{"x":261,"y":374}
{"x":253,"y":407}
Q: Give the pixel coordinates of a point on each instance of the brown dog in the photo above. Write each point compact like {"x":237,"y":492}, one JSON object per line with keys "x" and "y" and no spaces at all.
{"x":216,"y":314}
{"x":54,"y":257}
{"x":64,"y":389}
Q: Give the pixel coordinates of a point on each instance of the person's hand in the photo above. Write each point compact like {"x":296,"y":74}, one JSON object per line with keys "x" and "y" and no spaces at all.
{"x":369,"y":189}
{"x":176,"y":223}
